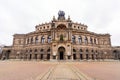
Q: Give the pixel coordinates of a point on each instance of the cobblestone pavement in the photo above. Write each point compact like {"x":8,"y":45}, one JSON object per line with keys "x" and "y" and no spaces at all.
{"x":22,"y":70}
{"x":43,"y":70}
{"x":100,"y":70}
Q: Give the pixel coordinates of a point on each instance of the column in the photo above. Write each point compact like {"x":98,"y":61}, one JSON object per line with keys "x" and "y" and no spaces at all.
{"x":33,"y":56}
{"x":84,"y":54}
{"x":83,"y":39}
{"x":88,"y":39}
{"x":76,"y":39}
{"x":39,"y":39}
{"x":33,"y":40}
{"x":90,"y":56}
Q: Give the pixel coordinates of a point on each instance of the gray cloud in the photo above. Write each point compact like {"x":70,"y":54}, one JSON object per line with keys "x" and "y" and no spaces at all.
{"x":21,"y":16}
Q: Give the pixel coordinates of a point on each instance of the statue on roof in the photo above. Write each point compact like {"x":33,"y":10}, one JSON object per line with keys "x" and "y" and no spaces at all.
{"x":61,"y":15}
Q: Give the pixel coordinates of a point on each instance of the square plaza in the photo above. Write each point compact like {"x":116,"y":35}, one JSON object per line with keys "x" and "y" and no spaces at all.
{"x":44,"y":70}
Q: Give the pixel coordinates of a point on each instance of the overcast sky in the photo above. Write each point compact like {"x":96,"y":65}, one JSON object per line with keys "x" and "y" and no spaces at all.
{"x":21,"y":16}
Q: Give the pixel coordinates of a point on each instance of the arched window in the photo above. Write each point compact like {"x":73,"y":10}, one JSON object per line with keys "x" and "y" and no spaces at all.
{"x":86,"y":40}
{"x":86,"y":50}
{"x":49,"y":39}
{"x":92,"y":51}
{"x":41,"y":50}
{"x":35,"y":50}
{"x":80,"y":39}
{"x":30,"y":50}
{"x":48,"y":50}
{"x":74,"y":50}
{"x":31,"y":40}
{"x":81,"y":50}
{"x":115,"y":51}
{"x":73,"y":39}
{"x":91,"y":40}
{"x":96,"y":51}
{"x":36,"y":39}
{"x":42,"y":39}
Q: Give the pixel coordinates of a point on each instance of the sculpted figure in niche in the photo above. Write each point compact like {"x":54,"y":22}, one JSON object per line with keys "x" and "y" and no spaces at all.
{"x":61,"y":38}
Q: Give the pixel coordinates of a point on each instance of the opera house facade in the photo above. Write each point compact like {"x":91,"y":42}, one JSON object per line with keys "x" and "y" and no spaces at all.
{"x":60,"y":39}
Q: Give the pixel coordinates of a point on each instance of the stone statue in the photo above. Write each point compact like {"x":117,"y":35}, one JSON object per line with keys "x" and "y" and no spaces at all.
{"x":61,"y":15}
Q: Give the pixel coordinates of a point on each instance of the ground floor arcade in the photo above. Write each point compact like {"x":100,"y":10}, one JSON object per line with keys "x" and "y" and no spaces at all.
{"x":61,"y":54}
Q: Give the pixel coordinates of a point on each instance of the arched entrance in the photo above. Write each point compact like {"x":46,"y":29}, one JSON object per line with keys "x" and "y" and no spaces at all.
{"x":61,"y":53}
{"x":7,"y":54}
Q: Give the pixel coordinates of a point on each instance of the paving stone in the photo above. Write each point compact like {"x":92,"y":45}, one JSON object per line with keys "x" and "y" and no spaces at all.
{"x":40,"y":70}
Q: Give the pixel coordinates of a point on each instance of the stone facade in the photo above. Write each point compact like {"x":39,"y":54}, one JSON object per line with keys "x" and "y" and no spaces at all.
{"x":60,"y":39}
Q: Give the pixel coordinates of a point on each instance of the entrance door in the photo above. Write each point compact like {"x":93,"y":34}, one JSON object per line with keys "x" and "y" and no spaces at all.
{"x":48,"y":56}
{"x":7,"y":54}
{"x":61,"y":56}
{"x":74,"y":56}
{"x":87,"y":57}
{"x":35,"y":56}
{"x":41,"y":56}
{"x":30,"y":56}
{"x":92,"y":57}
{"x":81,"y":56}
{"x":61,"y":53}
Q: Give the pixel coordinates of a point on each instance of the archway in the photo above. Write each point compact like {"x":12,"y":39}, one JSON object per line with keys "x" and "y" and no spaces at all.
{"x":61,"y":26}
{"x":7,"y":54}
{"x":48,"y":54}
{"x":61,"y":51}
{"x":30,"y":57}
{"x":74,"y":54}
{"x":81,"y":54}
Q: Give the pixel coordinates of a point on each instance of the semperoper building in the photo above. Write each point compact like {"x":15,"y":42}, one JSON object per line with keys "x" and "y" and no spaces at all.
{"x":60,"y":39}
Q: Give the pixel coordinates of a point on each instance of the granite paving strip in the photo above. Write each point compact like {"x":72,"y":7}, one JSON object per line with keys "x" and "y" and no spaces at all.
{"x":81,"y":75}
{"x":45,"y":75}
{"x":63,"y":71}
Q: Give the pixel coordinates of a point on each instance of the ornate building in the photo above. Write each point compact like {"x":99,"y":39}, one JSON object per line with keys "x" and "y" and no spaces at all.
{"x":60,"y":39}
